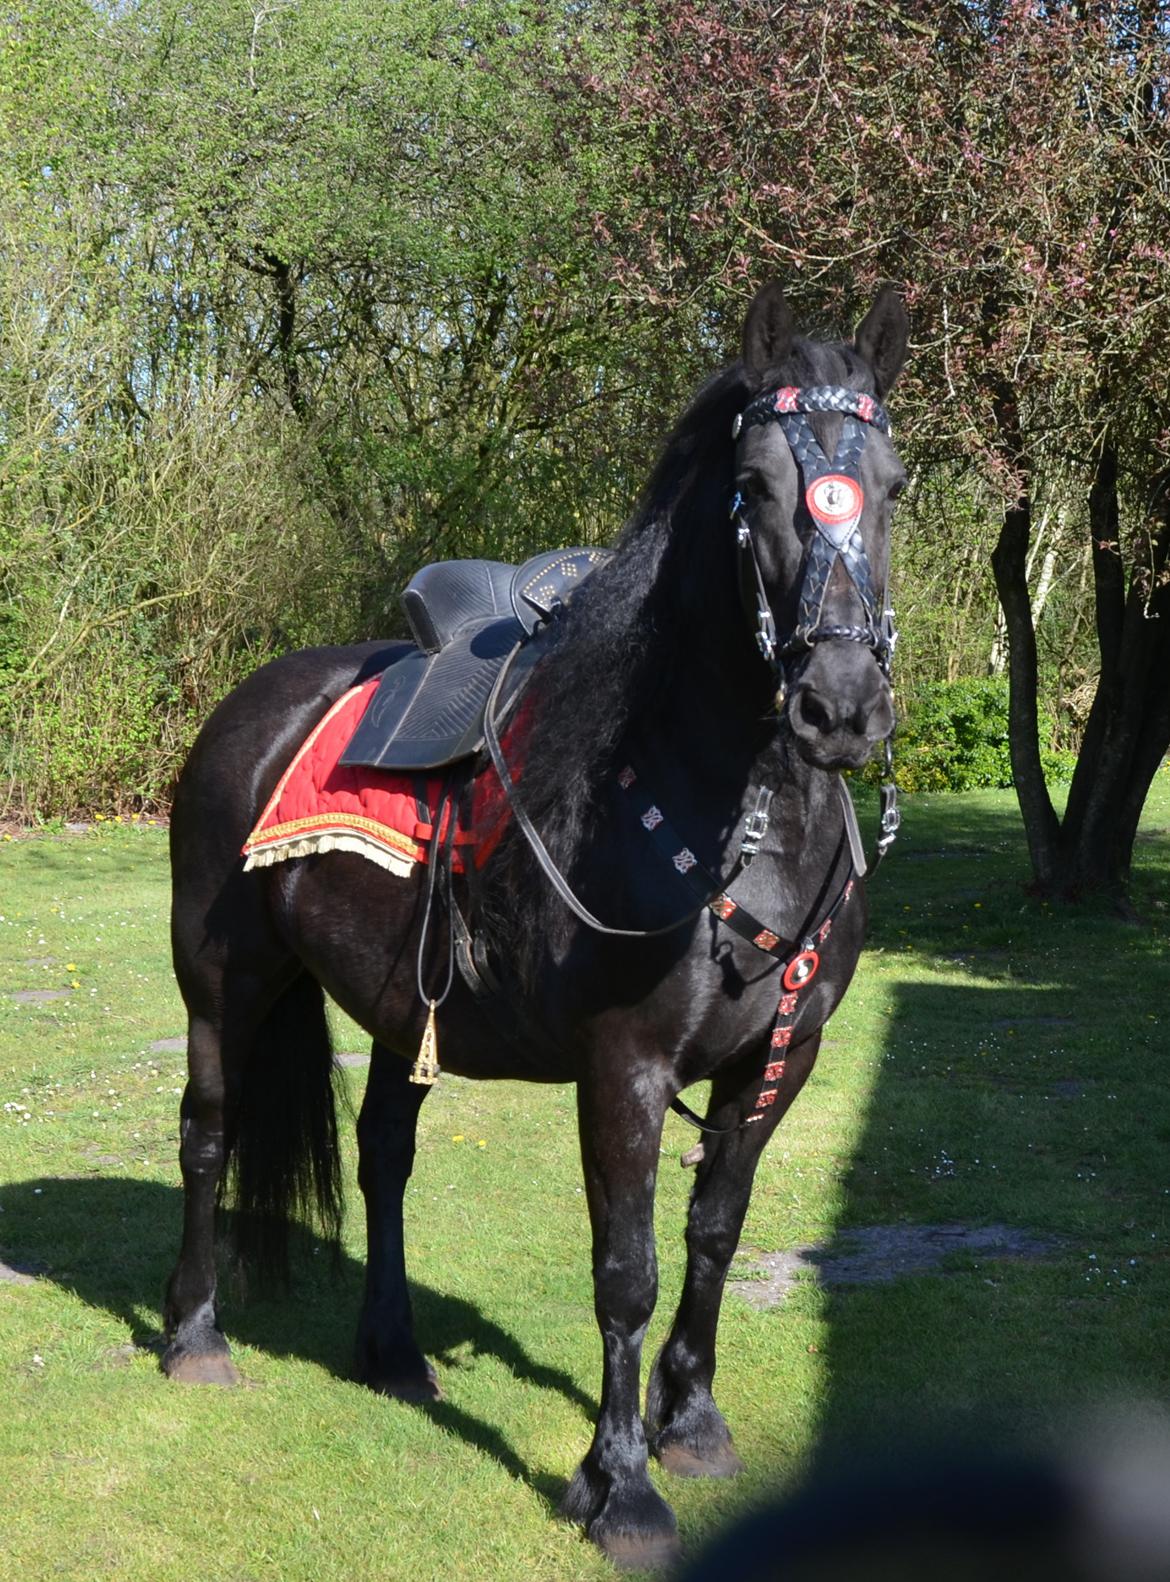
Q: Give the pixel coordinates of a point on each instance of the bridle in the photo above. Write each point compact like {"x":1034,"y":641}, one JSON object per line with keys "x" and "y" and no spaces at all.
{"x":832,"y":503}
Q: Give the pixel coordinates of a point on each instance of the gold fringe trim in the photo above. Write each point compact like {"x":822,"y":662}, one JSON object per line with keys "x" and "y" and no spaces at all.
{"x":310,"y":845}
{"x":353,"y":823}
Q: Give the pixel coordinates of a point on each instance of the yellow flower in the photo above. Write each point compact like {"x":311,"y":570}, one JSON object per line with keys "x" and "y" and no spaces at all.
{"x":458,"y":1137}
{"x":481,"y":1143}
{"x":70,"y":966}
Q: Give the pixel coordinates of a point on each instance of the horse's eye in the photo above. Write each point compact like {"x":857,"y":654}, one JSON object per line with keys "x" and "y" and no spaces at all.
{"x":896,"y":489}
{"x":753,"y":486}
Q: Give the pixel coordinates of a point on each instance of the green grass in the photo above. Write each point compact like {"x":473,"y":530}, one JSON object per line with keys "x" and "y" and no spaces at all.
{"x":995,"y":1061}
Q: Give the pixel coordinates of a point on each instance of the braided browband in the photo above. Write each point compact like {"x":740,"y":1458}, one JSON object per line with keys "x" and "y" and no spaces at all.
{"x":814,"y":398}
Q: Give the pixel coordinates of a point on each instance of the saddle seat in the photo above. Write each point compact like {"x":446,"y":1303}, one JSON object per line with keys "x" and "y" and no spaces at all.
{"x":467,"y":617}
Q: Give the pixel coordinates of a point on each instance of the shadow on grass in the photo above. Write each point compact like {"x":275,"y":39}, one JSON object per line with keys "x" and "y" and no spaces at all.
{"x":1020,"y":1086}
{"x":111,"y":1242}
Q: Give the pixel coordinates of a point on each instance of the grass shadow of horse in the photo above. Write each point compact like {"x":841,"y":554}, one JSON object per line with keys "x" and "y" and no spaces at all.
{"x":58,"y":1230}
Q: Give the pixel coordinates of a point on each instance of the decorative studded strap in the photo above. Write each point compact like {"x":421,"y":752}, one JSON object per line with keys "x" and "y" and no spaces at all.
{"x":801,"y":959}
{"x":813,"y":398}
{"x":699,"y":879}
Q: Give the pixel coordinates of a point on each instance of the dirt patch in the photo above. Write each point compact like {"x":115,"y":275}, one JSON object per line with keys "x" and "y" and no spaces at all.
{"x":169,"y":1046}
{"x":15,"y":1274}
{"x":876,"y":1254}
{"x":38,"y":996}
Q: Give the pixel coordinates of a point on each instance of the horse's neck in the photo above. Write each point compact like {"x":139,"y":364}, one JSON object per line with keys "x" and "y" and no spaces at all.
{"x":720,"y":744}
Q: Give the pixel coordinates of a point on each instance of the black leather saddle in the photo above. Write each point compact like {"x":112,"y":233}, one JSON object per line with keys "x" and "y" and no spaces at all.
{"x":467,"y":616}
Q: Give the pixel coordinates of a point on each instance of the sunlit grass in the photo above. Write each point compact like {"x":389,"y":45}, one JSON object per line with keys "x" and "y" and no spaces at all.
{"x":995,"y":1061}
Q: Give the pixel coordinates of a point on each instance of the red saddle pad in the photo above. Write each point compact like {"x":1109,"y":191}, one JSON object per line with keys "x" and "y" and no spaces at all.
{"x":319,"y":806}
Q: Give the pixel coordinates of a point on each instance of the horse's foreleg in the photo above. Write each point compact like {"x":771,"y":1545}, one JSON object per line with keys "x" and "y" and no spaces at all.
{"x":386,"y":1355}
{"x":688,"y":1433}
{"x":621,"y":1104}
{"x":197,"y":1352}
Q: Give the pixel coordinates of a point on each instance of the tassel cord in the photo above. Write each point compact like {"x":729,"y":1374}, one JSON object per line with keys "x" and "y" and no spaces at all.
{"x":442,"y":851}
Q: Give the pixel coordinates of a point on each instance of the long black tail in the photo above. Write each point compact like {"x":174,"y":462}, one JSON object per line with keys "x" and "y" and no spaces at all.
{"x":283,"y":1156}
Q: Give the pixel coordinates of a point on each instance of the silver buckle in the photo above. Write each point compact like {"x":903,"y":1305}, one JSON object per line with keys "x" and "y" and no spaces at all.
{"x":753,"y":834}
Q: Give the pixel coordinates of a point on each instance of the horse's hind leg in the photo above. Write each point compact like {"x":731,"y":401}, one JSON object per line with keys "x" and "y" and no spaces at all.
{"x":197,"y":1352}
{"x":688,"y":1433}
{"x":386,"y":1356}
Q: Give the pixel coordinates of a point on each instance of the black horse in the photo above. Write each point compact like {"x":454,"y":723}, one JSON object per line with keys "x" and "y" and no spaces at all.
{"x":725,"y":664}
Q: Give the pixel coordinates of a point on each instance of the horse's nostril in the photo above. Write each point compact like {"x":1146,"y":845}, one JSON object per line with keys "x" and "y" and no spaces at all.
{"x":815,"y":713}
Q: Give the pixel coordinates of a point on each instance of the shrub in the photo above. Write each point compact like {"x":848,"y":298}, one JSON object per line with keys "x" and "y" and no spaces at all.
{"x":953,"y":736}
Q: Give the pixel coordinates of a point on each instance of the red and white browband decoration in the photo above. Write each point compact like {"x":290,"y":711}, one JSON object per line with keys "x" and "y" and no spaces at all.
{"x":835,"y":501}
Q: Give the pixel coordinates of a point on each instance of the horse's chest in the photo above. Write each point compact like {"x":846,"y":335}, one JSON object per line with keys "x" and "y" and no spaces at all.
{"x":724,"y":999}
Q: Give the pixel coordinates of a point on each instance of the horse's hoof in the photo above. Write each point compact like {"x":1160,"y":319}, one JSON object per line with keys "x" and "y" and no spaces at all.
{"x":657,"y":1552}
{"x":683,"y":1462}
{"x":635,"y":1529}
{"x":210,"y":1367}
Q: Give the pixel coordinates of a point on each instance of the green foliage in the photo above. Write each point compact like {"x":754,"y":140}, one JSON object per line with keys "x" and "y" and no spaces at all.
{"x":291,"y":301}
{"x":294,"y":299}
{"x":953,"y":736}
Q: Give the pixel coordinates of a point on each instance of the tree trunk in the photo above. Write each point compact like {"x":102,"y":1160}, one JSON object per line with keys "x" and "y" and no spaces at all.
{"x":1009,"y":562}
{"x":284,"y":280}
{"x":1128,"y":731}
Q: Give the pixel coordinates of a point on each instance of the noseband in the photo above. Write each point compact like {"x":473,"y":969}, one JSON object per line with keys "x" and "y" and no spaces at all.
{"x":833,"y":502}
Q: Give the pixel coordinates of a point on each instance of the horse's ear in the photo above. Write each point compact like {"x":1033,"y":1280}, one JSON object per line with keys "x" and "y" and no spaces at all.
{"x":767,"y":332}
{"x":882,"y":336}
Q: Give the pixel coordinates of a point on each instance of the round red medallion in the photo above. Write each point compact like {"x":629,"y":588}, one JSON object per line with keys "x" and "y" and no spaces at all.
{"x":801,"y":970}
{"x":834,"y":499}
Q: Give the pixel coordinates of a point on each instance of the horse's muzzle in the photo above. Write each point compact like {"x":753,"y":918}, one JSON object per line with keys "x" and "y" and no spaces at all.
{"x":840,"y":707}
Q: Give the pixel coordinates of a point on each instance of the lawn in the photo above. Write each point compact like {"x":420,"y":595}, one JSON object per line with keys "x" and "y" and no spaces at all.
{"x":996,"y":1063}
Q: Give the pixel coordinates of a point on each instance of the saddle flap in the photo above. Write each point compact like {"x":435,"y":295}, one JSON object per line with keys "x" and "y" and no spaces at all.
{"x":428,"y":710}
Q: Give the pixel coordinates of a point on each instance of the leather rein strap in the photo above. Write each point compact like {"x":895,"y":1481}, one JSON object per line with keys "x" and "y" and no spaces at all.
{"x":541,"y":852}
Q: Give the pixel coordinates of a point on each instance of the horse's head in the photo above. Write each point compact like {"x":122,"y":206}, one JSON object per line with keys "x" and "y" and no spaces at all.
{"x":816,"y":479}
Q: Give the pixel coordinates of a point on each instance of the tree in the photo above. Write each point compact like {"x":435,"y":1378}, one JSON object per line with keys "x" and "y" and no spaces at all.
{"x":1007,"y":167}
{"x":293,"y":297}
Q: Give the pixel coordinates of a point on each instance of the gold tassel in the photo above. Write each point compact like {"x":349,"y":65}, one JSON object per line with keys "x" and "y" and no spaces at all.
{"x":426,"y":1066}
